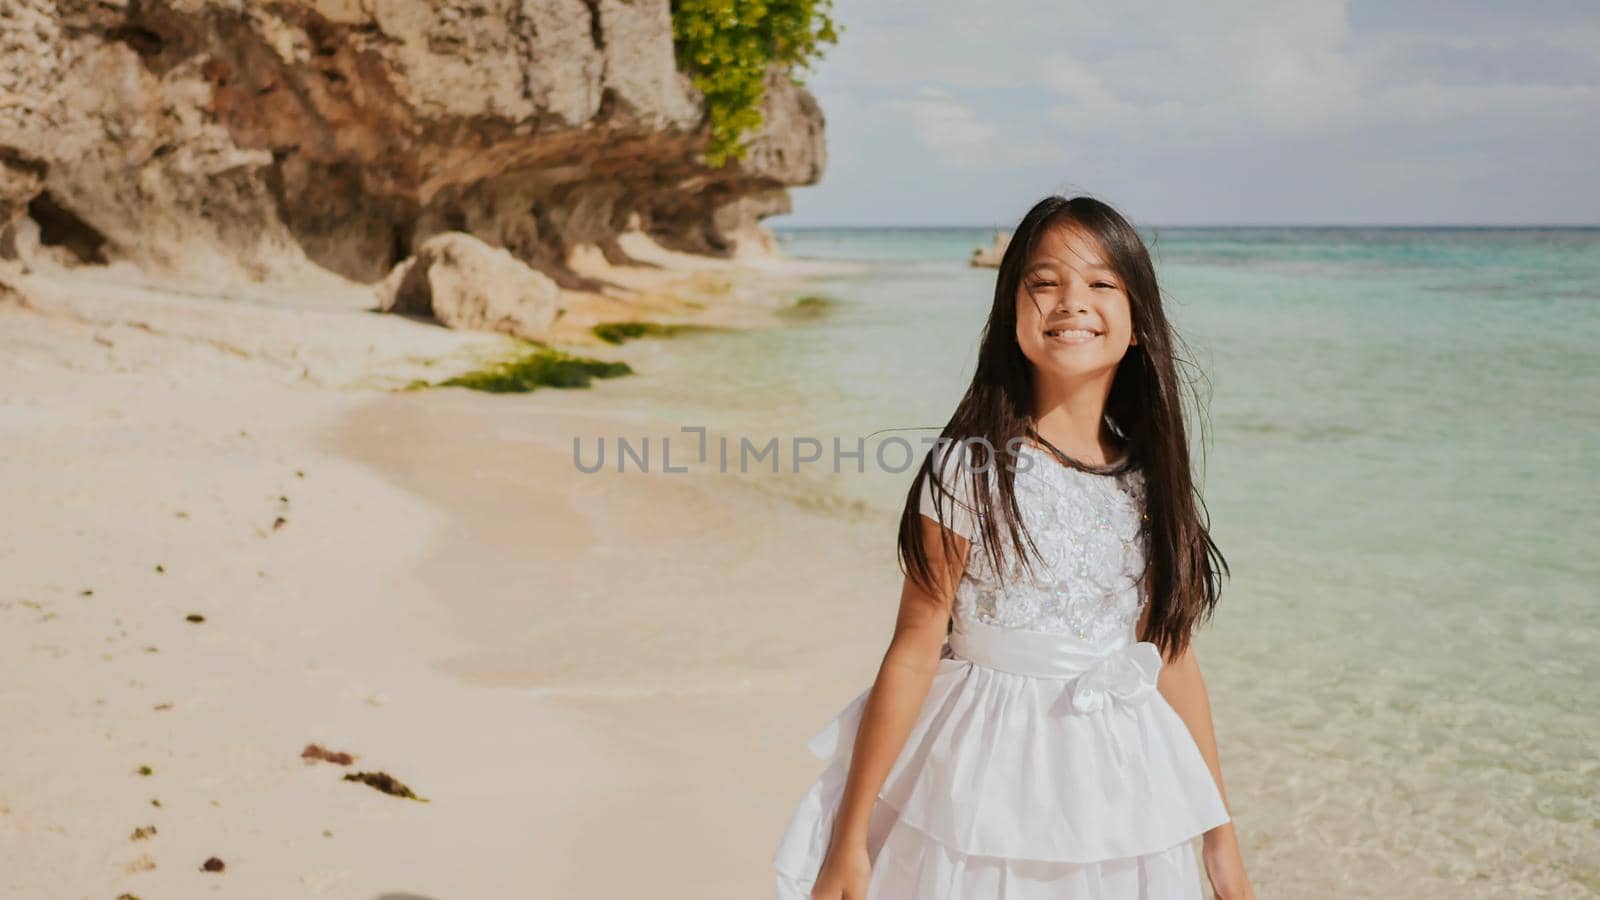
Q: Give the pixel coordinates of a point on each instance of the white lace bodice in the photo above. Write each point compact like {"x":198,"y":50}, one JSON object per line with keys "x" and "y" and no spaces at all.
{"x":1087,"y":528}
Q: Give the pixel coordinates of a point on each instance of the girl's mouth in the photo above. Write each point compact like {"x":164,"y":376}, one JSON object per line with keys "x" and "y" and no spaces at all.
{"x":1071,"y":335}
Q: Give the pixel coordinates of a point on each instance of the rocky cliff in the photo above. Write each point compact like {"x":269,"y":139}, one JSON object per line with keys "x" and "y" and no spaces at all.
{"x":220,"y":139}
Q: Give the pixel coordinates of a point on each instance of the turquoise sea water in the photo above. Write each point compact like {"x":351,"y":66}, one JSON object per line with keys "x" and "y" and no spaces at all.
{"x":1403,"y":427}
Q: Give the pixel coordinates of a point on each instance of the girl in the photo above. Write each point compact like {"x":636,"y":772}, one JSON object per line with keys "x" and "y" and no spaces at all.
{"x":1039,"y":727}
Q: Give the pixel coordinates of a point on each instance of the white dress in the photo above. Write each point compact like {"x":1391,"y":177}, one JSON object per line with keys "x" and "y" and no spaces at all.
{"x":1044,"y":763}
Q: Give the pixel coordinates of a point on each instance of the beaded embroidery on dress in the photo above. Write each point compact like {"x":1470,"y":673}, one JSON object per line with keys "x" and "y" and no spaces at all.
{"x":1087,"y":529}
{"x":1044,"y":763}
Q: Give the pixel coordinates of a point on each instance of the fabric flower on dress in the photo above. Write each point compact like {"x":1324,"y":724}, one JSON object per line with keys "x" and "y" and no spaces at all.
{"x":1128,"y":675}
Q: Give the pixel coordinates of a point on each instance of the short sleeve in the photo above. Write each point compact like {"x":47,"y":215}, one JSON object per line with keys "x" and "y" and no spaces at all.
{"x":958,"y":513}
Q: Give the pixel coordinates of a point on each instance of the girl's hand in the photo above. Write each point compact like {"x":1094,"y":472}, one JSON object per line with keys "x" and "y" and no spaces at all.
{"x":1225,"y":865}
{"x":844,"y":875}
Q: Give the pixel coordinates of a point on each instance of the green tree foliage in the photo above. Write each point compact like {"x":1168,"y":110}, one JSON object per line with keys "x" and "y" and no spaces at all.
{"x":726,"y":45}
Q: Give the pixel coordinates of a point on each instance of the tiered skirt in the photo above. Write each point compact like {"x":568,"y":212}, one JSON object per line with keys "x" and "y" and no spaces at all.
{"x":1039,"y":767}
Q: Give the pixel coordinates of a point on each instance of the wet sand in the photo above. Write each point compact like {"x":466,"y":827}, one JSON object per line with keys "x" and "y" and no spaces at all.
{"x":666,"y":614}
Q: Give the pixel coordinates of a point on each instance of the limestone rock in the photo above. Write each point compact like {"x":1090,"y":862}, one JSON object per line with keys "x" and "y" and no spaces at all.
{"x":21,"y":178}
{"x":464,"y":283}
{"x":10,"y":296}
{"x":989,"y":257}
{"x":217,"y":139}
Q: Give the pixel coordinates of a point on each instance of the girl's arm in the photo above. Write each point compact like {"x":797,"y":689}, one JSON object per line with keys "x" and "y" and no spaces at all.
{"x":900,"y":689}
{"x":1184,"y":688}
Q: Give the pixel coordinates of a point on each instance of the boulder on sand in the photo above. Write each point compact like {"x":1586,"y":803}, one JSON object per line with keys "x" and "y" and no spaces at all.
{"x":464,"y":283}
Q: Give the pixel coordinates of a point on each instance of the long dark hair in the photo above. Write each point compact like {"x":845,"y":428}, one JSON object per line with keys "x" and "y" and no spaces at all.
{"x":1144,"y":409}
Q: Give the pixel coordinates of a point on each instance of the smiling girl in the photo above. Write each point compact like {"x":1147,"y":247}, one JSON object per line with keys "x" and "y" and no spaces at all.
{"x":1039,"y":727}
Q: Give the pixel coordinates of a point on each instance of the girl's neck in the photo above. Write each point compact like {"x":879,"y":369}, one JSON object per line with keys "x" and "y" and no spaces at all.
{"x":1073,"y":419}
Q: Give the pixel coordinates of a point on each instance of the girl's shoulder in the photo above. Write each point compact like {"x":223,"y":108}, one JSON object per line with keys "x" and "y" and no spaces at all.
{"x":953,"y":463}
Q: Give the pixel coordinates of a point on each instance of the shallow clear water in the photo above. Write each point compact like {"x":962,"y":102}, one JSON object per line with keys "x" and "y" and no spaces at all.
{"x":1403,"y":429}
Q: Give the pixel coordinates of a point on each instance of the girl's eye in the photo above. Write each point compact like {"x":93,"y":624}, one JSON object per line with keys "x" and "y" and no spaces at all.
{"x":1040,"y":284}
{"x":1104,"y":284}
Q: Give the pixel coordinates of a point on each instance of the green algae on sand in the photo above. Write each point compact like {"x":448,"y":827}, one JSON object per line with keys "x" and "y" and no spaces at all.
{"x":811,"y":306}
{"x":617,"y":332}
{"x":529,"y":368}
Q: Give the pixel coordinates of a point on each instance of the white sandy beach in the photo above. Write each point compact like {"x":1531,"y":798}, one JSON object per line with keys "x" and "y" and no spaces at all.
{"x":535,"y":653}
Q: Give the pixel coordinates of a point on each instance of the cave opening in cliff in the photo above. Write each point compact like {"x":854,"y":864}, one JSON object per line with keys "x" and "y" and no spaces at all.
{"x":61,"y":227}
{"x":400,"y":237}
{"x":142,"y":41}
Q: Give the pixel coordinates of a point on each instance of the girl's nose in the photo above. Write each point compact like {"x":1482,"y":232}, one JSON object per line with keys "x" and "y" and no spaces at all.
{"x":1074,"y":296}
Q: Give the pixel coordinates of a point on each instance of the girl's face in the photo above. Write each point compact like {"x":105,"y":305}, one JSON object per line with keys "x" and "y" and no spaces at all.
{"x":1073,"y":317}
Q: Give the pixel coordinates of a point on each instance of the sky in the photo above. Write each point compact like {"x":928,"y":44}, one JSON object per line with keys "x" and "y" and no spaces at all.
{"x":1228,"y":112}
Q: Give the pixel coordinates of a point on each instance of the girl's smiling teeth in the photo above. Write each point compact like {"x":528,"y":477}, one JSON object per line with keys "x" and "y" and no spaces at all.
{"x":1071,"y":335}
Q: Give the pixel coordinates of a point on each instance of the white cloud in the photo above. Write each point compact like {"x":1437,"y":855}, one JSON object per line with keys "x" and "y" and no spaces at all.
{"x":1198,"y":108}
{"x":948,"y":128}
{"x":1266,"y":68}
{"x":962,"y":138}
{"x":1084,"y":100}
